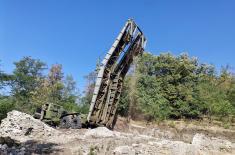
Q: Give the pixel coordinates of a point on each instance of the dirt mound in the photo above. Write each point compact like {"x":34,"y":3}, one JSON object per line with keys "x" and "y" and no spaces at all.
{"x":23,"y":127}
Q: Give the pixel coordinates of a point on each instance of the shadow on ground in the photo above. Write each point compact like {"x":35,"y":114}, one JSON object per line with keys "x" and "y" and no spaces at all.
{"x":33,"y":147}
{"x":14,"y":147}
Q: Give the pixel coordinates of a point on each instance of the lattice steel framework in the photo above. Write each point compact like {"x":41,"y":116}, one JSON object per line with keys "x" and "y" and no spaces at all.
{"x":131,"y":41}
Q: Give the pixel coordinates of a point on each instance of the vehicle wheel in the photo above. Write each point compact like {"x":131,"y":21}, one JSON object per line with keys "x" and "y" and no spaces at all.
{"x":37,"y":116}
{"x":76,"y":123}
{"x":37,"y":113}
{"x":65,"y":122}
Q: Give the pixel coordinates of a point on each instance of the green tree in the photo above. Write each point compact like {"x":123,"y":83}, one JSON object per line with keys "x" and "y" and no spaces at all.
{"x":123,"y":106}
{"x":55,"y":84}
{"x":69,"y":87}
{"x":86,"y":99}
{"x":177,"y":78}
{"x":1,"y":77}
{"x":56,"y":89}
{"x":5,"y":79}
{"x":215,"y":94}
{"x":27,"y":77}
{"x":71,"y":95}
{"x":180,"y":87}
{"x":6,"y":105}
{"x":151,"y":102}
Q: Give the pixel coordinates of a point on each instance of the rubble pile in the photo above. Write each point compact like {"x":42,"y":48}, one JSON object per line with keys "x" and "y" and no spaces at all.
{"x":23,"y":127}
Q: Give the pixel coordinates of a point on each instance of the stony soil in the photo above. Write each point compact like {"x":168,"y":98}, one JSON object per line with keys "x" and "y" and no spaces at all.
{"x":22,"y":134}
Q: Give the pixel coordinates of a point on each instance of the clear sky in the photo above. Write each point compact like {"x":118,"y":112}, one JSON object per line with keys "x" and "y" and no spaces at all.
{"x":75,"y":33}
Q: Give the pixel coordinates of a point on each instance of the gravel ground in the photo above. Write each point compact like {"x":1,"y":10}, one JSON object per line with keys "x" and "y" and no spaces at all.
{"x":21,"y":134}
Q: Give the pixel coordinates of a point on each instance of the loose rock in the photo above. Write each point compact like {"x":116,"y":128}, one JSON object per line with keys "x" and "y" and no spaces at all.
{"x":35,"y":137}
{"x":99,"y":132}
{"x":22,"y":127}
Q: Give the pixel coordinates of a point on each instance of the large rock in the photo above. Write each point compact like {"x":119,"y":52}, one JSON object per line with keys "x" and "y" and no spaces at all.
{"x":121,"y":150}
{"x":100,"y":132}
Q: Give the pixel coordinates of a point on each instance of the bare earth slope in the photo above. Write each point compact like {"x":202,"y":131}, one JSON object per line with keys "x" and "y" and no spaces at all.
{"x":22,"y":134}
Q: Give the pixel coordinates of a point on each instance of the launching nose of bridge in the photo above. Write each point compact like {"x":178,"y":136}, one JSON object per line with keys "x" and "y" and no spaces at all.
{"x":115,"y":65}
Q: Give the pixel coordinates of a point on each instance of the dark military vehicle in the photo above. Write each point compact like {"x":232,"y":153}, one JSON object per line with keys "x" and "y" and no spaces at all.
{"x":56,"y":115}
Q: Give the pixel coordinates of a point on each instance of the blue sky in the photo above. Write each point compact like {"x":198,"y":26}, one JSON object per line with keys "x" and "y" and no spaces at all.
{"x":75,"y":33}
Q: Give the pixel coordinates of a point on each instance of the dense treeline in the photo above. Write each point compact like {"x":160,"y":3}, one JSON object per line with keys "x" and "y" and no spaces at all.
{"x":30,"y":88}
{"x":156,"y":87}
{"x":165,"y":86}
